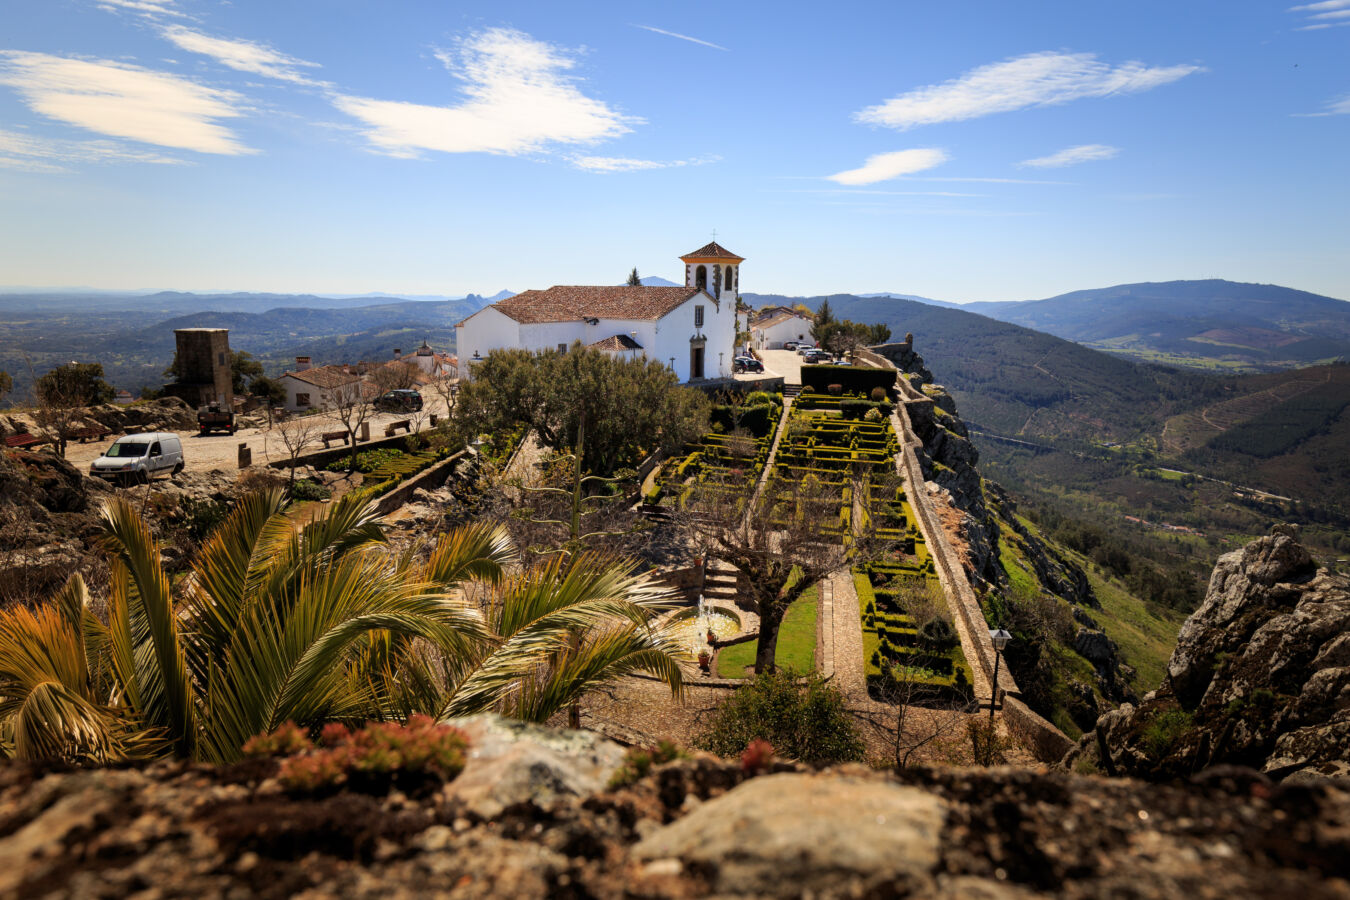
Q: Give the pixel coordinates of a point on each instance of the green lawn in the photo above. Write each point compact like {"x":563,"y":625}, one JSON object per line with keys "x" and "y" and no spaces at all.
{"x":796,"y":641}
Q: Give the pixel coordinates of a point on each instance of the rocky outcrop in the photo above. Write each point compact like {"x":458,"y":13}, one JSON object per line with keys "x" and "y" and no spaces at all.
{"x":694,"y":827}
{"x":163,"y":414}
{"x":1260,"y":676}
{"x":47,"y":523}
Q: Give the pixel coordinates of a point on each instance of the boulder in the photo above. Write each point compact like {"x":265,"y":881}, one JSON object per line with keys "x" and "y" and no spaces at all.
{"x":792,"y":834}
{"x":1260,"y":676}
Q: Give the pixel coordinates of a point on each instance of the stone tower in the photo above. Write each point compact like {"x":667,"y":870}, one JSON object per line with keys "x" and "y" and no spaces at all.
{"x":203,"y":366}
{"x":715,"y":269}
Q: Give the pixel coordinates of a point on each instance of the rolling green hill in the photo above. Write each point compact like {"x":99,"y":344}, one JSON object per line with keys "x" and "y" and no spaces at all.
{"x":1207,"y":324}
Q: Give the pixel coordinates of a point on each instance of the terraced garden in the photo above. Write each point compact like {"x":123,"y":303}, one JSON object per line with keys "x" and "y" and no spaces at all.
{"x":725,"y":459}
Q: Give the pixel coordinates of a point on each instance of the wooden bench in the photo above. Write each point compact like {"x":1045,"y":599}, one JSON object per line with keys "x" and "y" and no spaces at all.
{"x":393,"y":427}
{"x":19,"y":441}
{"x":84,"y":435}
{"x":339,"y":436}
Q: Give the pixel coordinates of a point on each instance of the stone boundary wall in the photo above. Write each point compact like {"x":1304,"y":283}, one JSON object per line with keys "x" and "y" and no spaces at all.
{"x":1046,"y":742}
{"x":430,"y":478}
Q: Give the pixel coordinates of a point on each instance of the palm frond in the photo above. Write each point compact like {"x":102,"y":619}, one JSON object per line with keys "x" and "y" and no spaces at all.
{"x":478,"y":552}
{"x":148,"y":627}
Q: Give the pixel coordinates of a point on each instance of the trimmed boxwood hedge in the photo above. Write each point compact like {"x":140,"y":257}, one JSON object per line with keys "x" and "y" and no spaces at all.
{"x":853,"y":379}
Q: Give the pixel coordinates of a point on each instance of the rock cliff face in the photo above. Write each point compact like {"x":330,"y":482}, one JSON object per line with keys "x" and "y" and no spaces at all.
{"x":531,"y":816}
{"x":1260,"y":677}
{"x":164,"y":414}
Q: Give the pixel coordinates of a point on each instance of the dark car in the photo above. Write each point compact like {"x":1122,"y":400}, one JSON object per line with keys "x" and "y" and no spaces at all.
{"x":399,"y":401}
{"x":817,"y":356}
{"x":746,"y":364}
{"x":215,"y":418}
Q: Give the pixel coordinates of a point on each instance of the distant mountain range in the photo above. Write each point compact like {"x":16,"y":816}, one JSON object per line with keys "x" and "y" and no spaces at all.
{"x":1212,"y":324}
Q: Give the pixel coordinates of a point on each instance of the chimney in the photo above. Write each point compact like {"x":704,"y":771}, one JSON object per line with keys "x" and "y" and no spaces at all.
{"x":302,"y":363}
{"x":398,"y":353}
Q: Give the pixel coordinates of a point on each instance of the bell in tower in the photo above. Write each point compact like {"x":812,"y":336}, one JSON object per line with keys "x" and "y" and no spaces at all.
{"x":714,"y":270}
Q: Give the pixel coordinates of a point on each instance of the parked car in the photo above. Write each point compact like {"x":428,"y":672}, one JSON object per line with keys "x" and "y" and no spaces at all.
{"x":401,"y":400}
{"x":139,"y":457}
{"x":746,"y":364}
{"x":803,"y":347}
{"x":215,"y":418}
{"x":817,"y":356}
{"x":789,"y":345}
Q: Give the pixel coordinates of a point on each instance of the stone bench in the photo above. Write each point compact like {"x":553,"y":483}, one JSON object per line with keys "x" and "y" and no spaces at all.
{"x":327,"y":436}
{"x":392,"y":428}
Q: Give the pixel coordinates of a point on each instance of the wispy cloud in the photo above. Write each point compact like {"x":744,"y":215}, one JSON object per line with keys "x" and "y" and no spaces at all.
{"x":879,"y":193}
{"x":1339,"y":107}
{"x":1072,"y":156}
{"x":1037,"y":79}
{"x":1317,"y":14}
{"x":39,"y":154}
{"x":148,"y":8}
{"x":885,"y":166}
{"x":518,"y":100}
{"x":125,"y":101}
{"x":607,"y":164}
{"x":683,"y":37}
{"x":243,"y":56}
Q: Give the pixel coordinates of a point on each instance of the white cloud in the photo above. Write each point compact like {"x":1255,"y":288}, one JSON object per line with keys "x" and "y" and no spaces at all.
{"x":885,"y":166}
{"x":147,"y":8}
{"x":683,"y":37}
{"x":124,"y":101}
{"x":1335,"y":14}
{"x":243,"y":56}
{"x":1072,"y":156}
{"x":518,"y":101}
{"x":1037,"y":79}
{"x":37,"y":154}
{"x":1319,"y":7}
{"x":606,"y":164}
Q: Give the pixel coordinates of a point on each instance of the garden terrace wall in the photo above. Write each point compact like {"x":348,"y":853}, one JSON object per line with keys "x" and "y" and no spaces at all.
{"x":321,"y":458}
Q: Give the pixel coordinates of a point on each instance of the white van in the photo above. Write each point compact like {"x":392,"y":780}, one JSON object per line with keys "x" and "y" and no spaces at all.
{"x":140,"y":457}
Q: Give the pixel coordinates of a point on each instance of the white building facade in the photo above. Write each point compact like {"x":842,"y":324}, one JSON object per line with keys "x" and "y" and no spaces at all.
{"x":771,"y":333}
{"x":691,"y":329}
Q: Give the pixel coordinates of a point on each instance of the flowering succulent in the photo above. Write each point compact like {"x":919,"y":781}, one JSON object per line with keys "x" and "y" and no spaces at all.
{"x":756,"y":757}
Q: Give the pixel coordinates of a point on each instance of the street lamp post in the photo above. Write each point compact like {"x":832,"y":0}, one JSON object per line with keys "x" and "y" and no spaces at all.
{"x":1000,"y":639}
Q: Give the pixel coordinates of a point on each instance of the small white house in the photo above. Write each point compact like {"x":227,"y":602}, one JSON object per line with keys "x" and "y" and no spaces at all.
{"x":770,"y":333}
{"x":692,"y":329}
{"x":311,"y":387}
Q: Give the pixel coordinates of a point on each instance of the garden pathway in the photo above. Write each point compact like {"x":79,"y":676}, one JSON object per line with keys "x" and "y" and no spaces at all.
{"x":846,"y":640}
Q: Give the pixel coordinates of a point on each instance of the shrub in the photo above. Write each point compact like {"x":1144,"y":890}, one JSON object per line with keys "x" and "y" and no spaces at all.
{"x":879,"y":394}
{"x":937,"y":635}
{"x":372,"y":757}
{"x":874,"y":415}
{"x":1164,"y":733}
{"x":985,"y":745}
{"x":367,"y":461}
{"x":834,"y":390}
{"x":756,"y":757}
{"x":202,"y":516}
{"x":308,"y":489}
{"x":755,"y":398}
{"x":802,"y":720}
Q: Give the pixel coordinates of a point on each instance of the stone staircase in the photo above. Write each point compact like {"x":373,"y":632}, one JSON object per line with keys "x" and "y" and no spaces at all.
{"x":791,"y":391}
{"x":719,"y":583}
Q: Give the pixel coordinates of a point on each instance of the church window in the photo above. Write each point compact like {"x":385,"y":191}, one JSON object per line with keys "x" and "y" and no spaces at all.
{"x":562,"y":348}
{"x":698,"y":316}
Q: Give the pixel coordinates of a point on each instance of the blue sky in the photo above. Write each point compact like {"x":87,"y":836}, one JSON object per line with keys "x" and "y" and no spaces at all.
{"x":958,"y":150}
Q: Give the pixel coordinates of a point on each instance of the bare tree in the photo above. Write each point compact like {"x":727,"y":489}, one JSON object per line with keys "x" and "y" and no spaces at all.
{"x":353,"y":403}
{"x":399,"y":375}
{"x":447,"y":388}
{"x":297,"y":435}
{"x":780,"y":539}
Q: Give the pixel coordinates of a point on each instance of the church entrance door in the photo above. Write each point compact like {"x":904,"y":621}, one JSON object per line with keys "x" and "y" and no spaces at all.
{"x":696,"y":362}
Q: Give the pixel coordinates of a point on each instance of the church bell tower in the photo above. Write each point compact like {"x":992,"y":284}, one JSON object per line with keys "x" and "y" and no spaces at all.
{"x":714,"y":269}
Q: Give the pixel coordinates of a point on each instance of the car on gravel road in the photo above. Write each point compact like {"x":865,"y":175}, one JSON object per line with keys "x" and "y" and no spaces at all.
{"x":136,"y":458}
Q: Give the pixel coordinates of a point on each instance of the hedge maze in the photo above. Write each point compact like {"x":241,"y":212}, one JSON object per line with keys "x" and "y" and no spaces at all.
{"x":725,"y":459}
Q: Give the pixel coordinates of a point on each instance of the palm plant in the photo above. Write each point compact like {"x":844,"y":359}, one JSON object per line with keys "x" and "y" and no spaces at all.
{"x":291,"y":617}
{"x":558,"y":631}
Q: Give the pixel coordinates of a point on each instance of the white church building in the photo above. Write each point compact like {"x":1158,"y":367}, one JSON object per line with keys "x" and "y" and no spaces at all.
{"x":691,"y":329}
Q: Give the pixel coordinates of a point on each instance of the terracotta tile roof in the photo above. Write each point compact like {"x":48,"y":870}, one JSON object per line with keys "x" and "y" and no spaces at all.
{"x":617,"y":342}
{"x":712,"y":250}
{"x":570,"y":303}
{"x":779,"y":318}
{"x":324,"y":376}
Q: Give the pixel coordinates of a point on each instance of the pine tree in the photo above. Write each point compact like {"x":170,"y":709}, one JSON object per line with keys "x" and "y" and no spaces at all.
{"x":634,"y":280}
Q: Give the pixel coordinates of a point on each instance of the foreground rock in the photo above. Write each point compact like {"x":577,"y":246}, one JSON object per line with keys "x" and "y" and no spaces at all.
{"x":692,"y":828}
{"x":1260,"y":677}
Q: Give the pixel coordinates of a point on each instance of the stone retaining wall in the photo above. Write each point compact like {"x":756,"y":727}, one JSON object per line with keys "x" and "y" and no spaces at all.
{"x":1046,"y":742}
{"x":320,"y":458}
{"x":428,"y":479}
